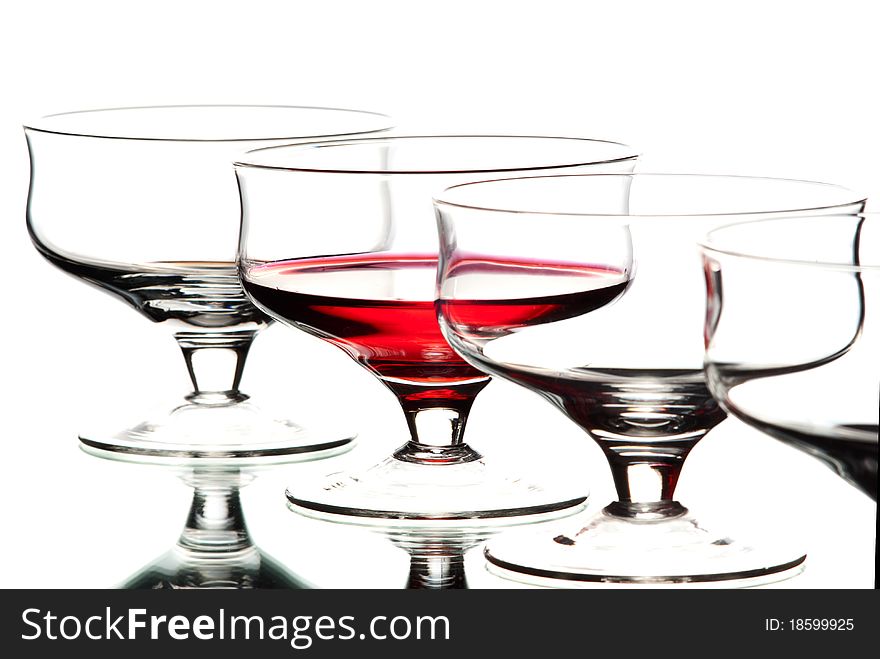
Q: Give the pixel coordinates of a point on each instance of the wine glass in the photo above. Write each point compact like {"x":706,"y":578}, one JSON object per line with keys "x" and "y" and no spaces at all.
{"x":587,"y":290}
{"x":338,"y":239}
{"x":793,"y":334}
{"x":142,"y":203}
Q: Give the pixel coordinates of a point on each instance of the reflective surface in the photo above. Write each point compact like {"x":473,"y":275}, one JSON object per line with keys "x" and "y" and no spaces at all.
{"x":436,"y":548}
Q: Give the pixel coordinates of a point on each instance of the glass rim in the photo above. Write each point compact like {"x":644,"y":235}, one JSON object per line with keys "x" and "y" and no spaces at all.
{"x":39,"y":124}
{"x":707,"y":246}
{"x":440,"y":201}
{"x":243,"y":162}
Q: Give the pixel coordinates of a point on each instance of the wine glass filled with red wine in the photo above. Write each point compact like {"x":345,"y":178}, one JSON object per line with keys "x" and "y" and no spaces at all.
{"x":142,"y":203}
{"x":793,"y":334}
{"x":587,"y":289}
{"x":339,"y":239}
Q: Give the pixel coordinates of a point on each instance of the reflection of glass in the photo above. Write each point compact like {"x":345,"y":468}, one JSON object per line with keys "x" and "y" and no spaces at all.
{"x":437,"y":547}
{"x":215,"y":549}
{"x":793,"y":334}
{"x":339,"y":239}
{"x":142,"y":202}
{"x":609,"y":269}
{"x":436,"y":559}
{"x":436,"y":552}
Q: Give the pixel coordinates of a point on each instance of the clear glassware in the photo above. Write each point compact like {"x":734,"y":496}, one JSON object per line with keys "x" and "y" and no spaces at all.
{"x":339,"y":240}
{"x":215,"y":549}
{"x":142,"y":203}
{"x":793,"y":335}
{"x":587,"y":290}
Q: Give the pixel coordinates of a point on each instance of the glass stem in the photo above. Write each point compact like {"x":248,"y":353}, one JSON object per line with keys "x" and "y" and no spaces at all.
{"x":215,"y":361}
{"x":215,"y":523}
{"x":645,"y":474}
{"x":436,"y":418}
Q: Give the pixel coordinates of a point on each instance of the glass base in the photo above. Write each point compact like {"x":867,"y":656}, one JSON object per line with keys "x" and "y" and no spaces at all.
{"x":606,"y":549}
{"x":202,"y":432}
{"x":400,"y":490}
{"x":247,"y":568}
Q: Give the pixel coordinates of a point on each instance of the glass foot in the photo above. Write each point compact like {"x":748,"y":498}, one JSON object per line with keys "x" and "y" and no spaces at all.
{"x":606,"y":549}
{"x":398,"y":489}
{"x":202,"y":431}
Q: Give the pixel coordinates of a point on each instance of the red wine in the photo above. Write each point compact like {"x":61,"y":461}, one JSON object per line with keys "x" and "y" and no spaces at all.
{"x":561,"y":291}
{"x":658,"y":413}
{"x":379,"y":308}
{"x":609,"y":403}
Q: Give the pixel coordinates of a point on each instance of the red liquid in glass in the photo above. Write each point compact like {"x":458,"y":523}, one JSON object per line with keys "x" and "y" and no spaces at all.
{"x":380,"y":308}
{"x":591,"y":287}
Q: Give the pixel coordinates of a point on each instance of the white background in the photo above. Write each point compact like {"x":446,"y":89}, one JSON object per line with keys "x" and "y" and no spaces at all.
{"x":767,"y":88}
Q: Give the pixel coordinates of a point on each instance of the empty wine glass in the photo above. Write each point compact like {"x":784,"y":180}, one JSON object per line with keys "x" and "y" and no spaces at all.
{"x":587,"y":290}
{"x":142,"y":203}
{"x":339,"y":239}
{"x":793,"y":334}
